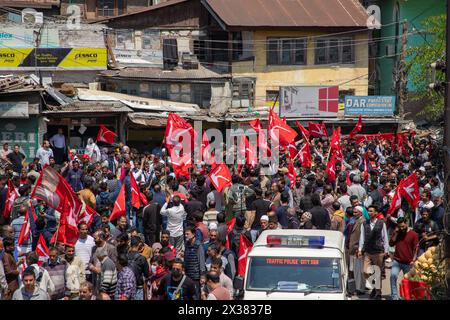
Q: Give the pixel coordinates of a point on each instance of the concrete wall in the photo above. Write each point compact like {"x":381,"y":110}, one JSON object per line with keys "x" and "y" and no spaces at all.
{"x":270,"y":77}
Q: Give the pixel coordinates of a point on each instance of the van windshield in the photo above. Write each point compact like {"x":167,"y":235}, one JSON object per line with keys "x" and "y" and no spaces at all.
{"x":294,"y":274}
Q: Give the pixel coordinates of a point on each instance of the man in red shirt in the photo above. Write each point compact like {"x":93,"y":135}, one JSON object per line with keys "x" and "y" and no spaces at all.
{"x":406,"y":242}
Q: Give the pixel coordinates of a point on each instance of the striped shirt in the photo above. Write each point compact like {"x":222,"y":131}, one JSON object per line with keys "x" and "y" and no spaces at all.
{"x":108,"y":282}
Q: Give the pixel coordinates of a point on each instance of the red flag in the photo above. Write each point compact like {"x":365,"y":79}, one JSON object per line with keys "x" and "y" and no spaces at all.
{"x":88,"y":215}
{"x":230,"y":226}
{"x":135,"y":199}
{"x":357,"y":128}
{"x":335,"y":146}
{"x":119,"y":206}
{"x":143,"y":198}
{"x":42,"y":250}
{"x":245,"y":246}
{"x":292,"y":150}
{"x":292,"y":174}
{"x":262,"y":139}
{"x":175,"y":129}
{"x":256,"y":125}
{"x":248,"y":151}
{"x":220,"y":177}
{"x":181,"y":164}
{"x":303,"y":130}
{"x":11,"y":196}
{"x":25,"y":231}
{"x":285,"y":133}
{"x":52,"y":188}
{"x":106,"y":135}
{"x":347,"y":179}
{"x":366,"y":167}
{"x":410,"y":190}
{"x":317,"y":130}
{"x":330,"y":170}
{"x":396,"y":201}
{"x":305,"y":156}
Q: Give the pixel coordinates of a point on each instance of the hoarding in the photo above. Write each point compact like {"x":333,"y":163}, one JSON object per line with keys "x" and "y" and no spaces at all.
{"x":20,"y":37}
{"x":309,"y":101}
{"x":369,"y":105}
{"x":23,"y":132}
{"x":14,"y":110}
{"x":53,"y":58}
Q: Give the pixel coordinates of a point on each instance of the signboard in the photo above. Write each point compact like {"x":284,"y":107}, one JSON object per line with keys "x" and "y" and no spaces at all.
{"x":311,"y":101}
{"x":14,"y":110}
{"x":20,"y":37}
{"x":369,"y":105}
{"x":53,"y":58}
{"x":145,"y":58}
{"x":21,"y":132}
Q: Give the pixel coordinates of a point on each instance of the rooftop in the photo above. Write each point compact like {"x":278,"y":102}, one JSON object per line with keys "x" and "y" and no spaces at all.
{"x":288,"y":13}
{"x":44,"y":4}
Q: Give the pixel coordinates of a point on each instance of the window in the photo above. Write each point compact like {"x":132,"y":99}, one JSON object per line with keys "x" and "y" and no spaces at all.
{"x":286,"y":51}
{"x":201,"y":94}
{"x":330,"y":51}
{"x":151,"y":39}
{"x":105,"y":8}
{"x":170,"y":53}
{"x":125,"y":39}
{"x":243,"y":92}
{"x":159,"y":91}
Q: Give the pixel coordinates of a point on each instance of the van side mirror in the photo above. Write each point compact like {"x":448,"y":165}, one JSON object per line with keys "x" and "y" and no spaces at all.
{"x":238,"y":283}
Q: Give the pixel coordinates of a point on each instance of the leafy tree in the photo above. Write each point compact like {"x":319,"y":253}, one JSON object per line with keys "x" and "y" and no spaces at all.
{"x":419,"y":59}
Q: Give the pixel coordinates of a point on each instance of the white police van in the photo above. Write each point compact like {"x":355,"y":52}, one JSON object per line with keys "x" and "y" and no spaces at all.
{"x":297,"y":265}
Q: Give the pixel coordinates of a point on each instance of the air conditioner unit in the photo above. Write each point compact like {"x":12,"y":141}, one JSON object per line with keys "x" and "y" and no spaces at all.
{"x":32,"y":17}
{"x":390,"y":50}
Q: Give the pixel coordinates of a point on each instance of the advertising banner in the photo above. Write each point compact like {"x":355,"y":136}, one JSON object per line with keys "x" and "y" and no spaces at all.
{"x":53,"y":58}
{"x":369,"y":105}
{"x":308,"y":101}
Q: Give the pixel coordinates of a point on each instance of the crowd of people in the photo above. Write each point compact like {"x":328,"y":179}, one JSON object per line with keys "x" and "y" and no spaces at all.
{"x":177,"y":245}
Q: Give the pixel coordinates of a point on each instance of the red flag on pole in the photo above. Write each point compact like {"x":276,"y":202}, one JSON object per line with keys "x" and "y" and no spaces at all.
{"x":305,"y":156}
{"x":135,"y":199}
{"x":230,"y":226}
{"x":357,"y":129}
{"x":245,"y":246}
{"x":366,"y":167}
{"x":335,"y":145}
{"x":410,"y":190}
{"x":396,"y":201}
{"x":87,"y":216}
{"x":220,"y":177}
{"x":52,"y":188}
{"x":25,"y":231}
{"x":303,"y":130}
{"x":119,"y":206}
{"x":331,"y":170}
{"x":11,"y":196}
{"x":285,"y":133}
{"x":176,"y":128}
{"x":106,"y":135}
{"x":317,"y":129}
{"x":42,"y":250}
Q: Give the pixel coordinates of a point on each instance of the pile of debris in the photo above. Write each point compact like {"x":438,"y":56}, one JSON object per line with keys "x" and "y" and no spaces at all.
{"x":11,"y":83}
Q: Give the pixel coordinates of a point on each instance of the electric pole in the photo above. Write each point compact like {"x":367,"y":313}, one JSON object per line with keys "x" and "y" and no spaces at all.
{"x":401,"y":83}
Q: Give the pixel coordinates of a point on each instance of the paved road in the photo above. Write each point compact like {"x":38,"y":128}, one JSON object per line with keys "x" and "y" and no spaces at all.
{"x":385,"y":287}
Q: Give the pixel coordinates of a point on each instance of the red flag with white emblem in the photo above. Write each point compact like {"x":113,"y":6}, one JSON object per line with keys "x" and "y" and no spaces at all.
{"x":11,"y":196}
{"x":52,"y":188}
{"x":285,"y":133}
{"x":42,"y":250}
{"x":220,"y":177}
{"x":411,"y":190}
{"x":396,"y":201}
{"x":176,"y":128}
{"x":335,"y":146}
{"x":106,"y":135}
{"x":317,"y":129}
{"x":292,"y":174}
{"x":119,"y":206}
{"x":331,"y":170}
{"x":245,"y":246}
{"x":230,"y":226}
{"x":87,"y":216}
{"x":305,"y":156}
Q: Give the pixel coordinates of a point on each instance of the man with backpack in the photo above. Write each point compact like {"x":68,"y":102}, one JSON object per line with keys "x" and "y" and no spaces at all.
{"x":139,"y":265}
{"x":177,"y":285}
{"x":43,"y":279}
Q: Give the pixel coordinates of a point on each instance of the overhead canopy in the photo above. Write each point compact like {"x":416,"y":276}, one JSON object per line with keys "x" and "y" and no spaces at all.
{"x":138,"y":103}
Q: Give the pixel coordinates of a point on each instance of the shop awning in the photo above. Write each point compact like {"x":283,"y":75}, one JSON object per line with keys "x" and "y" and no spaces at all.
{"x":87,"y":107}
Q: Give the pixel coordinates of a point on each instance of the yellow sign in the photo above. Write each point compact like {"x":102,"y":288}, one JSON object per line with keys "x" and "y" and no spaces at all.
{"x":10,"y":58}
{"x":54,"y":58}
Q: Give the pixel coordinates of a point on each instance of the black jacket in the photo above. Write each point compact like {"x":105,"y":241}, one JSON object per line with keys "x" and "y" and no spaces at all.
{"x":152,"y":220}
{"x":140,"y":267}
{"x":306,"y":203}
{"x":320,"y":218}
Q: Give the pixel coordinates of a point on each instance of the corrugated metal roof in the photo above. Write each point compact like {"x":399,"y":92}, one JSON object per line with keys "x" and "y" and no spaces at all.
{"x":160,"y":74}
{"x":89,"y":107}
{"x":289,"y":13}
{"x":30,"y":3}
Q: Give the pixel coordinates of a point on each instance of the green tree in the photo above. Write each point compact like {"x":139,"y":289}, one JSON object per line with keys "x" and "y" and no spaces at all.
{"x":419,"y":59}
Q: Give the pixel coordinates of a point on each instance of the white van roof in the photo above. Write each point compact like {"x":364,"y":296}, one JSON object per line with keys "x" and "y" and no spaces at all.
{"x":333,"y":239}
